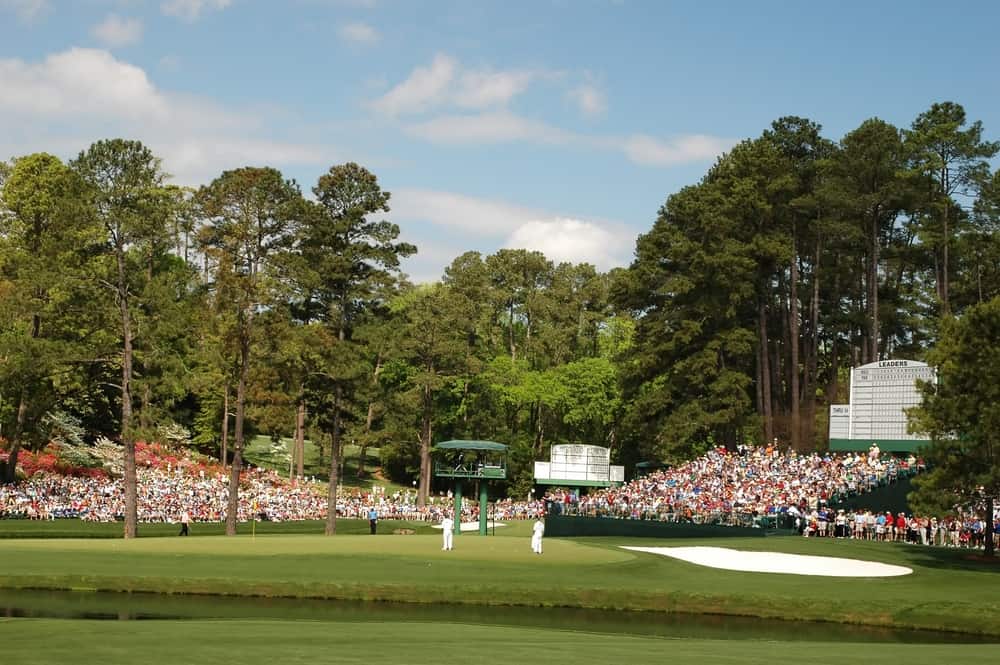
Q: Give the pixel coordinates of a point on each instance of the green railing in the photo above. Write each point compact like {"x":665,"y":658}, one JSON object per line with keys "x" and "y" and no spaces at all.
{"x":488,"y":471}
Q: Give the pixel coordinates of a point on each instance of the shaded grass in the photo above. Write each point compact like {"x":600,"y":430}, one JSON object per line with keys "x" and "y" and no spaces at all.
{"x":248,"y":642}
{"x":259,"y":451}
{"x":587,"y":573}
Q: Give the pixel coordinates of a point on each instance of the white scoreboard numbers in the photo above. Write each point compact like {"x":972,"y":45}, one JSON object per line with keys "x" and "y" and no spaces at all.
{"x":577,"y":464}
{"x":880,"y":394}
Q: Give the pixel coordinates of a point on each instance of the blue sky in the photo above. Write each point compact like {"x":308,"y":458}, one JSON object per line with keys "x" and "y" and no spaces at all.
{"x":558,"y":125}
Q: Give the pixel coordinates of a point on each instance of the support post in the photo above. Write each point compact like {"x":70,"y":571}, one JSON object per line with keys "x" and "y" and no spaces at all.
{"x":458,"y":507}
{"x":483,"y":505}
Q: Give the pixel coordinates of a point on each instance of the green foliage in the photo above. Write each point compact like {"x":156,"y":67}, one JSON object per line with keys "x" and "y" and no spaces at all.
{"x":961,"y":412}
{"x":64,"y":428}
{"x":686,"y":375}
{"x":751,"y":295}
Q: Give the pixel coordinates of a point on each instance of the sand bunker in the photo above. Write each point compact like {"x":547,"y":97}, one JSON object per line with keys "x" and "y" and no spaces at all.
{"x":474,"y":526}
{"x":774,"y":562}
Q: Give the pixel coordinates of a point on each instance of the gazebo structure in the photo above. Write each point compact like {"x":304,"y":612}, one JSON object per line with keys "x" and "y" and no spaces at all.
{"x":474,"y":460}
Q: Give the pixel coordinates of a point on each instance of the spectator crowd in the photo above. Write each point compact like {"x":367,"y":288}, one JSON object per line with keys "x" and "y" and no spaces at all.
{"x":763,"y":486}
{"x":165,"y":492}
{"x":733,"y":487}
{"x":747,"y":487}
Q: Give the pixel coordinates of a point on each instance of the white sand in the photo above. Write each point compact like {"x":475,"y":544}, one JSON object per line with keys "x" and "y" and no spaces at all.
{"x":773,"y":562}
{"x":474,"y":526}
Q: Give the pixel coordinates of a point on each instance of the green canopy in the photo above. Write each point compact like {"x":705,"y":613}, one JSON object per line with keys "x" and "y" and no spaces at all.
{"x":470,"y":445}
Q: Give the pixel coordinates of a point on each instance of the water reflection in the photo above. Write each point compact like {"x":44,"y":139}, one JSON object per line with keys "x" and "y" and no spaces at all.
{"x":137,"y":606}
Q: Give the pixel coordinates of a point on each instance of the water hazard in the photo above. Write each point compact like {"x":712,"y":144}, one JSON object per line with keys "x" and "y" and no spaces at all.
{"x":129,"y":607}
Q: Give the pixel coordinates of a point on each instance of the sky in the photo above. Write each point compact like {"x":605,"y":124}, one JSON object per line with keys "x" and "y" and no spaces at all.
{"x":553,"y":125}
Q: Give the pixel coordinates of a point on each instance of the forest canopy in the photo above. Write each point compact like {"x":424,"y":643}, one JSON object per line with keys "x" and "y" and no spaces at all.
{"x":129,"y":306}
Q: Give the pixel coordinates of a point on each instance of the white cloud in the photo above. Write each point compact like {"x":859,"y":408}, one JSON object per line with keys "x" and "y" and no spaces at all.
{"x":26,"y":10}
{"x":483,"y":89}
{"x":457,"y":223}
{"x":70,"y":99}
{"x":494,"y":127}
{"x":198,"y":159}
{"x":423,"y":89}
{"x":191,"y":10}
{"x":589,"y":99}
{"x":574,"y":241}
{"x":482,"y":217}
{"x":506,"y":127}
{"x":428,"y":264}
{"x":650,"y":151}
{"x":446,"y":83}
{"x":117,"y":31}
{"x":358,"y":33}
{"x":78,"y":82}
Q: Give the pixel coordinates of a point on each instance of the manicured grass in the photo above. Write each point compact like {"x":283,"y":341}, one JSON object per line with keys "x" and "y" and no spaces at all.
{"x":57,"y":642}
{"x":946,"y":591}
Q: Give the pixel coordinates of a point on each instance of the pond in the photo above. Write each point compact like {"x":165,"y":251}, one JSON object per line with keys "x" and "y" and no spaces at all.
{"x":129,"y":607}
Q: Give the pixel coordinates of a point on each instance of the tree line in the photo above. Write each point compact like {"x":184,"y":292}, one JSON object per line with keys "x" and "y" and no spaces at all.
{"x":129,"y":304}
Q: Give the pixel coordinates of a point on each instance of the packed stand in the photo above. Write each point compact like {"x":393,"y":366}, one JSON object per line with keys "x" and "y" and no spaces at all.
{"x":734,"y":487}
{"x":169,"y":485}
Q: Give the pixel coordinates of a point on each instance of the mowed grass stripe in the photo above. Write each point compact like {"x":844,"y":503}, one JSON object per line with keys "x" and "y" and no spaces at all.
{"x":56,"y":642}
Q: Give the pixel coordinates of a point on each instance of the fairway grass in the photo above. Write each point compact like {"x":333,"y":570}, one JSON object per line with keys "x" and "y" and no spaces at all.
{"x":250,"y":642}
{"x":946,"y":591}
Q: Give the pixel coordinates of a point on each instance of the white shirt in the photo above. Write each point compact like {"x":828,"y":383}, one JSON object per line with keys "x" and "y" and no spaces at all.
{"x":538,"y":529}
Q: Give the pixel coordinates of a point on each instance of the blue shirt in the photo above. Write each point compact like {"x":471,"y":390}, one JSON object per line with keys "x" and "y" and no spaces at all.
{"x":372,"y":514}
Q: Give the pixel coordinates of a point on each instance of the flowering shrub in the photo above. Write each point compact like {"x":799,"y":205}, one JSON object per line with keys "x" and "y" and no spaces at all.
{"x":48,"y":461}
{"x":66,"y":460}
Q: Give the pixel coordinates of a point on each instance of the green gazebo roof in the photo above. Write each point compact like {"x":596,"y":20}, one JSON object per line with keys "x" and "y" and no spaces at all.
{"x":470,"y":445}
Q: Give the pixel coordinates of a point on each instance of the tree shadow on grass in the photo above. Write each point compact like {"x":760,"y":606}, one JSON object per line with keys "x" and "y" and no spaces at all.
{"x":955,"y":559}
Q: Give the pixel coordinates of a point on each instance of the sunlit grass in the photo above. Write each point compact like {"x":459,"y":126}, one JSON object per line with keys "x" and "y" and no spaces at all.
{"x":946,"y":590}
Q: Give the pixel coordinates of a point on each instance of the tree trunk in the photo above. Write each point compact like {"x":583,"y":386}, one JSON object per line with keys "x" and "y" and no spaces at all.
{"x":146,"y":399}
{"x":812,"y":352}
{"x":510,"y":332}
{"x":539,"y":430}
{"x":232,"y":509}
{"x":765,"y":370}
{"x":145,"y":420}
{"x":793,"y":325}
{"x":831,"y":389}
{"x":224,"y":452}
{"x":945,"y":304}
{"x":363,"y":446}
{"x":759,"y":391}
{"x":780,"y":375}
{"x":979,"y":279}
{"x":300,"y":442}
{"x":131,"y":504}
{"x":335,"y":453}
{"x":9,"y":468}
{"x":369,"y":419}
{"x":860,"y":331}
{"x":873,"y":289}
{"x":425,"y":447}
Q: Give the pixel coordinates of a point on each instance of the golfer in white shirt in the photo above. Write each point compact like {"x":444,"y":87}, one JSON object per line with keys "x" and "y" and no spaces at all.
{"x":447,"y":532}
{"x":536,"y":536}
